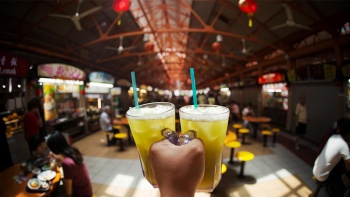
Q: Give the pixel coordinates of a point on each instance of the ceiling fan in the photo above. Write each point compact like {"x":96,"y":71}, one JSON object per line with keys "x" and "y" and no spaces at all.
{"x":223,"y":63}
{"x":244,"y":50}
{"x":290,"y":20}
{"x":77,"y":16}
{"x":121,"y":49}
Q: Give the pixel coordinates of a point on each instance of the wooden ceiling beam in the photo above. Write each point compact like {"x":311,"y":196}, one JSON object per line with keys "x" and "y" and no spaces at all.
{"x":295,"y":54}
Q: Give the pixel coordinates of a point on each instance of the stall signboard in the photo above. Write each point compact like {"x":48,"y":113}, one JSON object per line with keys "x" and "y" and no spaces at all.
{"x":292,"y":76}
{"x":50,"y":110}
{"x":61,"y":71}
{"x":12,"y":66}
{"x":101,"y":77}
{"x":329,"y":71}
{"x":346,"y":70}
{"x":116,"y":91}
{"x":271,"y":78}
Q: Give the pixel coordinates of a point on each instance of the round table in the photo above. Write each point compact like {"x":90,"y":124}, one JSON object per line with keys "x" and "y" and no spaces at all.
{"x":256,"y":120}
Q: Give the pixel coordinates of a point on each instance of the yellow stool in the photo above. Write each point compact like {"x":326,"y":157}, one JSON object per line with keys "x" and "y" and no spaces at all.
{"x":117,"y":127}
{"x":237,"y":126}
{"x":120,"y":137}
{"x":244,"y":156}
{"x":266,"y":133}
{"x":232,"y":145}
{"x":275,"y":131}
{"x":223,"y":168}
{"x":231,"y":136}
{"x":243,"y":131}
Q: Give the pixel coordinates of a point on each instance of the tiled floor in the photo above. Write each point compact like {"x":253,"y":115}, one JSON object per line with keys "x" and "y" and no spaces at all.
{"x":275,"y":171}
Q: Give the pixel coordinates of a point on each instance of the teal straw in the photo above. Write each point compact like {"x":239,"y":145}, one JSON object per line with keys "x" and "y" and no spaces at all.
{"x":194,"y":89}
{"x":133,"y":80}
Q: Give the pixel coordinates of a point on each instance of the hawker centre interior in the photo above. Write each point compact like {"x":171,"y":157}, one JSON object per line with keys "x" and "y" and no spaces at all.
{"x":279,"y":70}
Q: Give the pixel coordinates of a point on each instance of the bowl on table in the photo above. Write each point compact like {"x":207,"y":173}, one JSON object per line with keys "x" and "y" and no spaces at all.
{"x":34,"y":183}
{"x":36,"y":171}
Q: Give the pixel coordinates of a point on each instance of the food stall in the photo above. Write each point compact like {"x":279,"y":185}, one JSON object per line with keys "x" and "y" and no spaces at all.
{"x":64,"y":99}
{"x":274,"y":97}
{"x":97,"y":96}
{"x":13,"y":89}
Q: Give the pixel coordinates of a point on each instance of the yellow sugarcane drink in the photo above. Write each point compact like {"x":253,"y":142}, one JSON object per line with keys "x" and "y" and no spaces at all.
{"x":146,"y":124}
{"x":210,"y":123}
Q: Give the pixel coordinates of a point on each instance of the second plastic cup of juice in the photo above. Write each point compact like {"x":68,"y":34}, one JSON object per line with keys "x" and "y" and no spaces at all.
{"x":210,"y":123}
{"x":146,"y":124}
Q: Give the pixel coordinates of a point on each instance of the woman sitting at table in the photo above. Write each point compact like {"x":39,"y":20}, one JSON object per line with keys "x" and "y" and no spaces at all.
{"x":76,"y":181}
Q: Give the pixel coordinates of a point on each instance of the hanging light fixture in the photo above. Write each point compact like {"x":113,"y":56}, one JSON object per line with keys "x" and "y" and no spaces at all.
{"x":121,"y":6}
{"x":249,"y":7}
{"x":149,"y":46}
{"x":217,"y":45}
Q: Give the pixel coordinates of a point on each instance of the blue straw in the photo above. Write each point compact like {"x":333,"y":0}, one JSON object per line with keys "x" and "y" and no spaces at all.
{"x":194,"y":89}
{"x":133,"y":80}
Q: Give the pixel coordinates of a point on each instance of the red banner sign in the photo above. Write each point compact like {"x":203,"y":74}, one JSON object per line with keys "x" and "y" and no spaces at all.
{"x":271,"y":78}
{"x":12,"y":66}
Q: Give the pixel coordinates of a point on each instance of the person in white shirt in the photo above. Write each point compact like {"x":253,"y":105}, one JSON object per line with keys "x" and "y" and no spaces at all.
{"x":105,"y":121}
{"x":248,"y":110}
{"x":333,"y":160}
{"x":301,"y":120}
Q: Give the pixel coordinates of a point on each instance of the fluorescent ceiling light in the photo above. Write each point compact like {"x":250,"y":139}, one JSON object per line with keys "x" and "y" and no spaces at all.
{"x":60,"y":81}
{"x":105,"y":85}
{"x":224,"y":89}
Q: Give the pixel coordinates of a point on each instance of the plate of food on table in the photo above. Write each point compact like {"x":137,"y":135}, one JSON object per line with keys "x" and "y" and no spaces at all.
{"x":46,"y":175}
{"x":35,"y":185}
{"x":46,"y":167}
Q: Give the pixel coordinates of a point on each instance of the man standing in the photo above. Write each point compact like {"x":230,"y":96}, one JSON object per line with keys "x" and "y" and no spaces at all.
{"x":105,"y":121}
{"x":301,"y":119}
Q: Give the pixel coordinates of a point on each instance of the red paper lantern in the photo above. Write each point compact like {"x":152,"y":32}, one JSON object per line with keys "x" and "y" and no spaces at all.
{"x":249,"y":7}
{"x":217,"y":46}
{"x":149,"y":46}
{"x":121,"y":6}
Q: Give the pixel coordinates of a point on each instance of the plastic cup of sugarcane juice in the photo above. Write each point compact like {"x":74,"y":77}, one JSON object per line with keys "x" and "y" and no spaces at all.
{"x":146,"y":124}
{"x":210,"y":124}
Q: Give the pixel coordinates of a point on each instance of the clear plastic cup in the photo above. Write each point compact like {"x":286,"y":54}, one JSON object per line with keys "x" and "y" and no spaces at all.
{"x":146,"y":124}
{"x":210,"y":124}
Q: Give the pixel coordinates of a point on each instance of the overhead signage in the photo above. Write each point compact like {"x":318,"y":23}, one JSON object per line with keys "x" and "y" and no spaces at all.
{"x":346,"y":70}
{"x":329,"y":71}
{"x":12,"y":66}
{"x":271,"y":78}
{"x":101,"y":77}
{"x":291,"y":74}
{"x":116,"y":91}
{"x":61,"y":71}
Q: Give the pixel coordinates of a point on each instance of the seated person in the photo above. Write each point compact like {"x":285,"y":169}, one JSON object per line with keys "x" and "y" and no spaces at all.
{"x":333,"y":160}
{"x":38,"y":145}
{"x":76,"y":181}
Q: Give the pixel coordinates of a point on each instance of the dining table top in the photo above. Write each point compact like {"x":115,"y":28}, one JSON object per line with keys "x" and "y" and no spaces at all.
{"x":11,"y":188}
{"x":257,"y":119}
{"x":121,"y":121}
